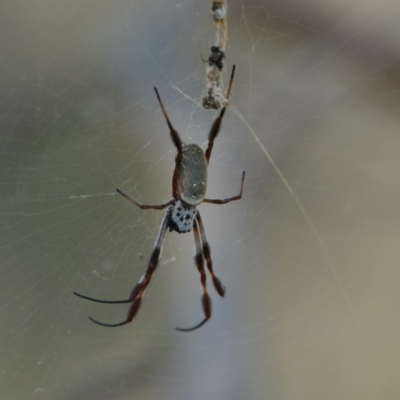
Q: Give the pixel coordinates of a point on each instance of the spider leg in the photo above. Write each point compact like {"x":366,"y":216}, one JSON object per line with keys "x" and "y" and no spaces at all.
{"x":233,"y":198}
{"x":206,"y":301}
{"x":228,"y":93}
{"x":216,"y":125}
{"x":219,"y":287}
{"x":174,"y":134}
{"x":103,"y":301}
{"x":146,"y":206}
{"x":178,"y":144}
{"x":138,"y":291}
{"x":136,"y":298}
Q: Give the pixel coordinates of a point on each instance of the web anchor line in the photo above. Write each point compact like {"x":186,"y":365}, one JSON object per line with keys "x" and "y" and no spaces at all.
{"x":214,"y":97}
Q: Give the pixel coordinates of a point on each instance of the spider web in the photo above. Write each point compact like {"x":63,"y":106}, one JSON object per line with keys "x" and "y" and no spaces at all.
{"x":310,"y":255}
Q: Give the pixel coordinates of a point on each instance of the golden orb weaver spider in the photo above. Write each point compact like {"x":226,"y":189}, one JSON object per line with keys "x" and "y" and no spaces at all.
{"x":189,"y":184}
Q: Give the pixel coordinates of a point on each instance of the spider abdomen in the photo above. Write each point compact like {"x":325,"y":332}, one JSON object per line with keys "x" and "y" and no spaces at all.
{"x":192,"y":175}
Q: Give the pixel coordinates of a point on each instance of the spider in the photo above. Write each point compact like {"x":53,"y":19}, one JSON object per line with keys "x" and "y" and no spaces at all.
{"x":189,"y":184}
{"x":216,"y":57}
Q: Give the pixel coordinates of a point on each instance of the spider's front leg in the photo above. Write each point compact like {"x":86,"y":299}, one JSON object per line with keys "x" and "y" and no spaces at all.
{"x":219,"y":287}
{"x":206,"y":300}
{"x":138,"y":291}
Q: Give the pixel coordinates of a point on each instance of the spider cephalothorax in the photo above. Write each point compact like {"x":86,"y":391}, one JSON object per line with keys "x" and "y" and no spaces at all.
{"x":182,"y":217}
{"x":189,"y":184}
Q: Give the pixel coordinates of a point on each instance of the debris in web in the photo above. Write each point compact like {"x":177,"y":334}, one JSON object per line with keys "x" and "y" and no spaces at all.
{"x":214,"y":97}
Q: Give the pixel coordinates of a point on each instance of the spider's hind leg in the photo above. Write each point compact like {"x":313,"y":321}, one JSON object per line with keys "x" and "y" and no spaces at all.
{"x":216,"y":125}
